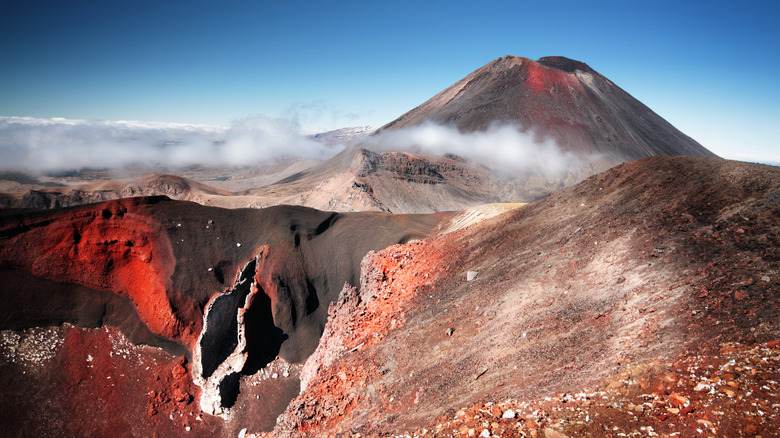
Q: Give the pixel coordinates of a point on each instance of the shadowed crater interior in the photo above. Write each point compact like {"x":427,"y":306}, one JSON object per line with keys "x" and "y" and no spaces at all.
{"x":263,"y":338}
{"x":220,"y":338}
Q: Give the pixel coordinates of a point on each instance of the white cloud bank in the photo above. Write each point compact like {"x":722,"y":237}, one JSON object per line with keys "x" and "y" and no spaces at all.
{"x":62,"y":144}
{"x":503,"y":147}
{"x":41,"y":145}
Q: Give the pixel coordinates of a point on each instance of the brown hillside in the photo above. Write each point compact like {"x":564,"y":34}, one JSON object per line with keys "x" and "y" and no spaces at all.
{"x":648,"y":263}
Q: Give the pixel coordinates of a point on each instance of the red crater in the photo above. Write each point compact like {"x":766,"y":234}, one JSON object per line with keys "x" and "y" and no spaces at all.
{"x":113,"y":248}
{"x":150,"y":267}
{"x":545,"y":80}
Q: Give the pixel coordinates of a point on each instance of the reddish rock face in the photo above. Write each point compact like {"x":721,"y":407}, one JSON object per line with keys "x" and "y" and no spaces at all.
{"x":65,"y":381}
{"x":550,"y":80}
{"x":114,"y":248}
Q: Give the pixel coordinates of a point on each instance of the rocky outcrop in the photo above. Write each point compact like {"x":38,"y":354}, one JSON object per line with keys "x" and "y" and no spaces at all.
{"x":334,"y":379}
{"x":221,"y":351}
{"x":404,"y":166}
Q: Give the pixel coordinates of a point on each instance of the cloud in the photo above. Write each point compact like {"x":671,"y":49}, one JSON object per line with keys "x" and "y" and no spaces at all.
{"x":320,"y":116}
{"x":503,"y":147}
{"x":63,"y":144}
{"x":57,"y":144}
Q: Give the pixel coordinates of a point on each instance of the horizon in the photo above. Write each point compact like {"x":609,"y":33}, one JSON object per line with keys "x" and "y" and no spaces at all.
{"x":324,"y":67}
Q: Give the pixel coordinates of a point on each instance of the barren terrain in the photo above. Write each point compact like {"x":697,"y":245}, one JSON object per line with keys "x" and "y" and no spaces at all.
{"x":659,"y":264}
{"x":564,"y":99}
{"x":400,"y":291}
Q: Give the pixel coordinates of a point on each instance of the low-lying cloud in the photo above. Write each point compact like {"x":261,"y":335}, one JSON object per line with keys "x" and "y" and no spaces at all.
{"x":45,"y":145}
{"x":56,"y":144}
{"x":504,"y":147}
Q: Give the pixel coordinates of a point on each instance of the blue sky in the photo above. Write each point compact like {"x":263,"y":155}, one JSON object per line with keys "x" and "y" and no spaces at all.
{"x":710,"y":68}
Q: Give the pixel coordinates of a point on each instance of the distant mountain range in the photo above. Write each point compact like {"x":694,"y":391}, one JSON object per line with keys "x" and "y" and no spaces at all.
{"x":343,"y":136}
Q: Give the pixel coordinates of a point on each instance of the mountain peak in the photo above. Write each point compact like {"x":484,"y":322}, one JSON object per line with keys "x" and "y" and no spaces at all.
{"x":507,"y":62}
{"x":556,"y":62}
{"x":583,"y":113}
{"x":564,"y":64}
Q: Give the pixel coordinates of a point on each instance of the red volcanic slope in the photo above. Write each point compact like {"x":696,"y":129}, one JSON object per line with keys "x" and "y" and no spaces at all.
{"x":559,"y":98}
{"x":65,"y":381}
{"x":648,"y":263}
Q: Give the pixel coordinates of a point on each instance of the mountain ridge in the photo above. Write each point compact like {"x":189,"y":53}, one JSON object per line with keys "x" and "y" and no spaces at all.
{"x":655,"y":261}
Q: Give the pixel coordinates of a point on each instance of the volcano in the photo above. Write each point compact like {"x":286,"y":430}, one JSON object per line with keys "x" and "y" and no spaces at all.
{"x":561,"y":98}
